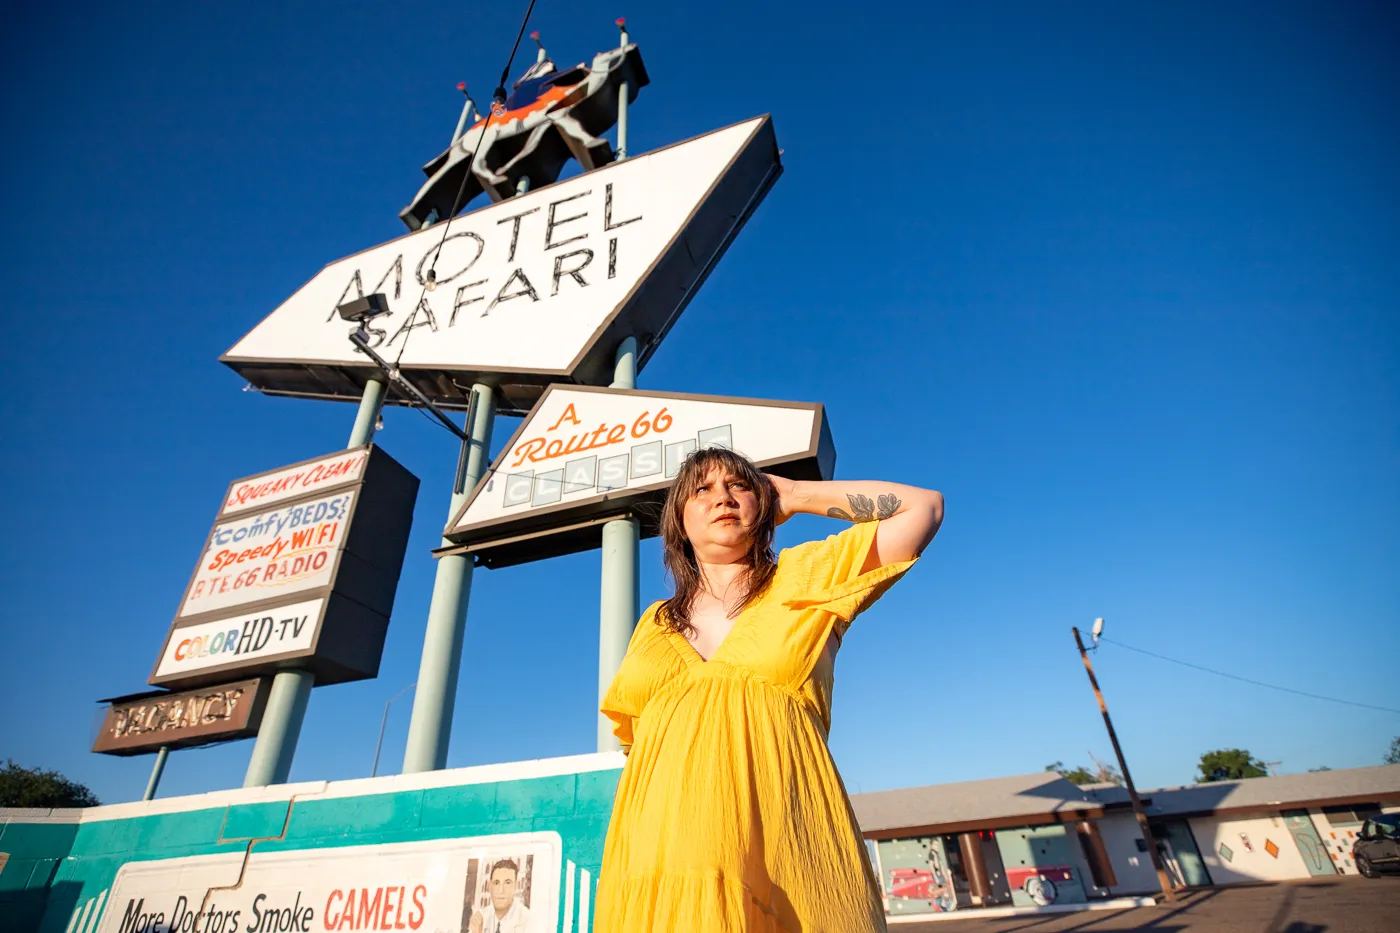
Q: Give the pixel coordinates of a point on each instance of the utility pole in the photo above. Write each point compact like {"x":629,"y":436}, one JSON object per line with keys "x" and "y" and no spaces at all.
{"x":1162,"y":880}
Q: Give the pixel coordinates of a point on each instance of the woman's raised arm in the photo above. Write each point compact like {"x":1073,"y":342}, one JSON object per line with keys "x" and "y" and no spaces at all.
{"x":909,"y":516}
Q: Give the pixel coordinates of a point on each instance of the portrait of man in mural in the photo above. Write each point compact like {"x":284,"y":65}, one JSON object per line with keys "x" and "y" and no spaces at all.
{"x":506,"y":891}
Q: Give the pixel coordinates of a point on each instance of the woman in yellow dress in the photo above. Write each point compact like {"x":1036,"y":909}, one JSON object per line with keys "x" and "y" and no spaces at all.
{"x":730,"y":815}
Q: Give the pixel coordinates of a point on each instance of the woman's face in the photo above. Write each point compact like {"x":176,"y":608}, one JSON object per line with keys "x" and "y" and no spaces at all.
{"x":719,"y":518}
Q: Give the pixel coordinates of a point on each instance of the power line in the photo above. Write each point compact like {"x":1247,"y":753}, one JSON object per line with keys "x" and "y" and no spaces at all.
{"x":1257,"y":683}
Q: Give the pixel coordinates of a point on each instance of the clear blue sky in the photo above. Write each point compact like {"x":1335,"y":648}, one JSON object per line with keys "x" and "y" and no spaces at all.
{"x":1121,"y":282}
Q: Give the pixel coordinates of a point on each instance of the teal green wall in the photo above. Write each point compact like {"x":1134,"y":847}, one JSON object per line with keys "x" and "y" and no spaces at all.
{"x":1041,"y":847}
{"x":896,"y":854}
{"x":55,"y":869}
{"x":35,"y":852}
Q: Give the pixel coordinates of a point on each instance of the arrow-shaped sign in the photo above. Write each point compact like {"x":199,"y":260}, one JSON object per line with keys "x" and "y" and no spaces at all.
{"x":532,"y":290}
{"x":585,"y":455}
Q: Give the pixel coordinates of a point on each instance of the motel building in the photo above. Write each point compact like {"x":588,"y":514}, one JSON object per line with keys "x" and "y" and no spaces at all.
{"x":1036,"y":840}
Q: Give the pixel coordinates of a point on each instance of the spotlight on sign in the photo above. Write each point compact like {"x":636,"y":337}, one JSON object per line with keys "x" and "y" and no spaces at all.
{"x":365,"y":308}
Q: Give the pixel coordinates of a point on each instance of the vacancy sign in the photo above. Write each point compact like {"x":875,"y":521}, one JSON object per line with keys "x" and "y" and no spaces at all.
{"x":586,"y":454}
{"x":535,"y":289}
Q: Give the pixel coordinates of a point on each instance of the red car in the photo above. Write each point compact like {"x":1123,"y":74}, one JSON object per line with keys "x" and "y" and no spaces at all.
{"x":1037,"y":882}
{"x":911,"y":882}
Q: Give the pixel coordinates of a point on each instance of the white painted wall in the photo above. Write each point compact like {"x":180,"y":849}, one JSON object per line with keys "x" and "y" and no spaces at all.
{"x":1132,"y":868}
{"x":1250,"y":862}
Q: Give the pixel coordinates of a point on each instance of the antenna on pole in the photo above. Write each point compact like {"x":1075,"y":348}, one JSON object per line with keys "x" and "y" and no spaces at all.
{"x":468,"y":116}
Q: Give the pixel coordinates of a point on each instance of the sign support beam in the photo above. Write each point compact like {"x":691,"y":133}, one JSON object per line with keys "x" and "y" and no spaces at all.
{"x":430,"y":728}
{"x":619,"y":601}
{"x":368,"y":415}
{"x":156,"y":771}
{"x":622,"y":93}
{"x":276,"y":745}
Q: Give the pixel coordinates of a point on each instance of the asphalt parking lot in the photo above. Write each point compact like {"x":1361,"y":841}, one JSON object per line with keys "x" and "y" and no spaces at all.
{"x":1337,"y":905}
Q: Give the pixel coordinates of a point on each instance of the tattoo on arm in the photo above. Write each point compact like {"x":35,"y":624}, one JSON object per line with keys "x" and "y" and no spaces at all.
{"x":863,"y":509}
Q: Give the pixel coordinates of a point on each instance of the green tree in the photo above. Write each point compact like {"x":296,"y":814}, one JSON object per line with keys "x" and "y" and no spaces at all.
{"x":1079,"y":775}
{"x":1229,"y":764}
{"x":31,"y":787}
{"x":1392,"y":757}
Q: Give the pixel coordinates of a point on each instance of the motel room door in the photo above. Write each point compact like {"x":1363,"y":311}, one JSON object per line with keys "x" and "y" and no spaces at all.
{"x":916,"y":876}
{"x":1183,"y":858}
{"x":1309,"y":842}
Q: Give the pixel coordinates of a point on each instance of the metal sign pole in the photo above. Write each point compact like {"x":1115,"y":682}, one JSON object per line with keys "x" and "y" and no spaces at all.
{"x":368,"y":416}
{"x":620,"y":594}
{"x":430,"y":728}
{"x":622,"y":92}
{"x":276,"y":744}
{"x":156,"y":771}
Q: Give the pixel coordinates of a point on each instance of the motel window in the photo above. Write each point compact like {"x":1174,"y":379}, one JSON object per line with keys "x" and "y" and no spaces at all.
{"x":1351,"y":813}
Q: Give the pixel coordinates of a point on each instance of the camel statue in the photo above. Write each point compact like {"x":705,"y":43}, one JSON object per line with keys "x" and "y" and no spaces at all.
{"x":549,"y":117}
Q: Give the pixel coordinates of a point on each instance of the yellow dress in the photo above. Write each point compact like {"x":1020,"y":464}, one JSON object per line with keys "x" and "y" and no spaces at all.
{"x":730,"y":815}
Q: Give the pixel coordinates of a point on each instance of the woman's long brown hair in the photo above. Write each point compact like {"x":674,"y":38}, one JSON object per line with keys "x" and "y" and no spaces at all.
{"x":678,"y":554}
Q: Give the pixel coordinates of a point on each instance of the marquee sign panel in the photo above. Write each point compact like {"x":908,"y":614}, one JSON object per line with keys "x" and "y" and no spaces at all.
{"x":342,"y":468}
{"x":333,"y":636}
{"x":536,"y":289}
{"x":586,"y":454}
{"x":302,"y":565}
